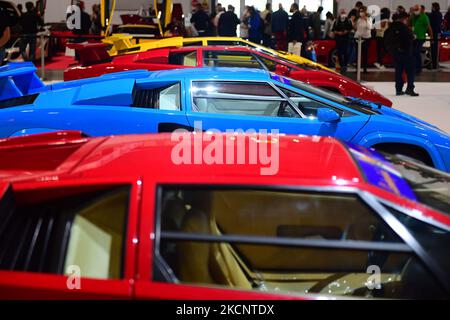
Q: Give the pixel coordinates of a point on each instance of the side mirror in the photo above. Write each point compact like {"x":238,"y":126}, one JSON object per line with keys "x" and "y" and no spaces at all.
{"x":282,"y":70}
{"x":327,"y":115}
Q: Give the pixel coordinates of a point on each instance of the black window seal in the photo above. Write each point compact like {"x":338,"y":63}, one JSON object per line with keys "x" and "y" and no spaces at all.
{"x":288,"y":242}
{"x":400,"y":229}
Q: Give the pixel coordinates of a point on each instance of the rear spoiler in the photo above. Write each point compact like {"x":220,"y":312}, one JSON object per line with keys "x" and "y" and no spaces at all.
{"x":120,"y":44}
{"x":91,"y":53}
{"x":18,"y":80}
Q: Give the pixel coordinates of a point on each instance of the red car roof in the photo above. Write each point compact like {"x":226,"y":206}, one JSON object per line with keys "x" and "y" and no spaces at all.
{"x":70,"y":154}
{"x":303,"y":161}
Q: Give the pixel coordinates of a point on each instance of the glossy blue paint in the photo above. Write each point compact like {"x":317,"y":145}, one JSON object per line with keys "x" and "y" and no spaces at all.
{"x":104,"y":105}
{"x":327,"y":115}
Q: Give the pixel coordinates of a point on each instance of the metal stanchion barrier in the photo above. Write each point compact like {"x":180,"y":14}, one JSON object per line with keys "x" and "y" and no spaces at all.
{"x":43,"y":75}
{"x":358,"y":66}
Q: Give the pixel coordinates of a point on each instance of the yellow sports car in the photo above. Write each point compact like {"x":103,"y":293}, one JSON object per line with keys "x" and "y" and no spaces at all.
{"x":123,"y":44}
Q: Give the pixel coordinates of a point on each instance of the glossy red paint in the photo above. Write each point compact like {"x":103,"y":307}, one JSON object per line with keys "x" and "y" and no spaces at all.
{"x":158,"y":59}
{"x":144,"y":162}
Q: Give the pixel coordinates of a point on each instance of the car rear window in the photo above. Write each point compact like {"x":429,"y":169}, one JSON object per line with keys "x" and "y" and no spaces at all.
{"x":77,"y":228}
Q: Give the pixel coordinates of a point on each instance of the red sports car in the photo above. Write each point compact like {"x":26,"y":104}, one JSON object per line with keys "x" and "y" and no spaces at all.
{"x":152,"y":217}
{"x":95,"y":61}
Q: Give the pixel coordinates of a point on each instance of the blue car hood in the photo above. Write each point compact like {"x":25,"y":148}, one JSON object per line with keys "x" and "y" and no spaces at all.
{"x":386,"y":111}
{"x":404,"y":116}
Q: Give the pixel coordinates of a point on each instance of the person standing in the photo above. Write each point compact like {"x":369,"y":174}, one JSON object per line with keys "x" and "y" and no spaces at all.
{"x":216,"y":19}
{"x":96,"y":20}
{"x":20,"y":9}
{"x":316,"y":24}
{"x":266,"y":17}
{"x":5,"y":34}
{"x":280,"y":22}
{"x":380,"y":28}
{"x":355,"y":11}
{"x":228,"y":23}
{"x":353,"y":16}
{"x":254,"y":26}
{"x":200,"y":20}
{"x":29,"y":22}
{"x":244,"y":23}
{"x":342,"y":28}
{"x":436,"y":18}
{"x":363,"y":30}
{"x":447,"y":20}
{"x":399,"y":40}
{"x":296,"y":33}
{"x":329,"y":22}
{"x":420,"y":25}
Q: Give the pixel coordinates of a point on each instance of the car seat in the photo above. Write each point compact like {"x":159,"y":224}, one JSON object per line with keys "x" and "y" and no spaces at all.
{"x":208,"y":263}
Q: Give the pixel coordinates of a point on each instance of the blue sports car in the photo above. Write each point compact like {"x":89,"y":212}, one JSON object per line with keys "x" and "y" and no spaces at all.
{"x":222,"y":99}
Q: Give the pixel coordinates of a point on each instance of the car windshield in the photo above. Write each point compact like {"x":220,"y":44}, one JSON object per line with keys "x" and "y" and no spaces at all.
{"x":358,"y":105}
{"x":311,"y":89}
{"x":431,"y":186}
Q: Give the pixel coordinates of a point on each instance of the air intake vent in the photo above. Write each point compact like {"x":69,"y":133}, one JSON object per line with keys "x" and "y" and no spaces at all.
{"x":19,"y":101}
{"x":145,"y":98}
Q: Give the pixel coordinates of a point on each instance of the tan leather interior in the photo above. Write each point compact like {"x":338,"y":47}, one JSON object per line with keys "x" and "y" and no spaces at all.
{"x":97,"y":236}
{"x":278,"y":214}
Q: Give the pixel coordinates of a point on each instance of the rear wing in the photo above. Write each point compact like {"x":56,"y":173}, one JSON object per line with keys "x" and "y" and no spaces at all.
{"x":120,"y":44}
{"x":123,"y":43}
{"x":19,"y":80}
{"x":91,"y":53}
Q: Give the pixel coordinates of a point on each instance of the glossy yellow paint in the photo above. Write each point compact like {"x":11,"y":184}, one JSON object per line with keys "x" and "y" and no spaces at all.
{"x":125,"y":44}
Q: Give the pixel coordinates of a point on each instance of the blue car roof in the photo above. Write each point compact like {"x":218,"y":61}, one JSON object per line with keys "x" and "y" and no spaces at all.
{"x":216,"y":72}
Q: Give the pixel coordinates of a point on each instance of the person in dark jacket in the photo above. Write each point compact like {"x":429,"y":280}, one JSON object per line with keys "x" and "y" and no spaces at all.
{"x":29,"y":22}
{"x":316,"y":23}
{"x":399,"y":40}
{"x":5,"y":34}
{"x":280,"y":22}
{"x":296,"y":32}
{"x":341,"y":29}
{"x":228,"y":23}
{"x":255,"y":26}
{"x":436,"y":18}
{"x":200,"y":20}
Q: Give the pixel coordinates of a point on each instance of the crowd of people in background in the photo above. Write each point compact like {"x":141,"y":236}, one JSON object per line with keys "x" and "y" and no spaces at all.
{"x":276,"y":29}
{"x":406,"y":32}
{"x":279,"y":30}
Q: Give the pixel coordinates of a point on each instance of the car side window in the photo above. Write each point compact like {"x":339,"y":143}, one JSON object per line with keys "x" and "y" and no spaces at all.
{"x":309,"y":106}
{"x":86,"y":230}
{"x":186,"y":58}
{"x":224,"y":43}
{"x":240,"y":98}
{"x":162,"y":98}
{"x":271,"y":65}
{"x":291,"y":242}
{"x":220,"y":58}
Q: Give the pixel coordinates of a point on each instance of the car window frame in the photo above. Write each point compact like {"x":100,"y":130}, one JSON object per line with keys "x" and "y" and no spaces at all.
{"x":309,"y":95}
{"x":371,"y":200}
{"x":325,"y":105}
{"x":230,"y":53}
{"x":57,"y":283}
{"x":282,"y":96}
{"x":144,"y":85}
